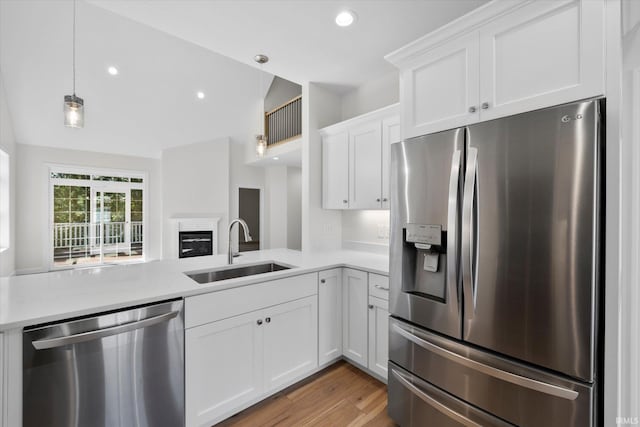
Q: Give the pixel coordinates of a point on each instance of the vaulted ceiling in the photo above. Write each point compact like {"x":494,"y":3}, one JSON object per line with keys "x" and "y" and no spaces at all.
{"x":168,"y":50}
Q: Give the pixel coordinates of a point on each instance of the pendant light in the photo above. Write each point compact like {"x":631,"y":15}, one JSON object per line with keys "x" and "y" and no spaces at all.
{"x":74,"y":105}
{"x":261,"y":140}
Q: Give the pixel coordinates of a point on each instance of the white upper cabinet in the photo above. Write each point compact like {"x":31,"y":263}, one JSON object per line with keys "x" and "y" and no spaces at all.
{"x":440,"y":90}
{"x":543,"y":54}
{"x":335,"y":171}
{"x":390,"y":134}
{"x":365,"y":166}
{"x":504,"y":58}
{"x":355,"y":160}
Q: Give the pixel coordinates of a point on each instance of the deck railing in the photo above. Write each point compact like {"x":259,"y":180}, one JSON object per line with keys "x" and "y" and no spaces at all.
{"x":284,"y":123}
{"x":78,"y":234}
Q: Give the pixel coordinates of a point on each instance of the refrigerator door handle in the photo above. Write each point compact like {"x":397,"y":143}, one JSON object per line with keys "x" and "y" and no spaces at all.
{"x":406,"y":381}
{"x":518,"y":380}
{"x":452,"y":231}
{"x":469,"y":234}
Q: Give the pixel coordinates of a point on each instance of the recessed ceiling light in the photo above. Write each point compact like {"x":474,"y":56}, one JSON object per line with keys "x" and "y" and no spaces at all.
{"x":276,"y":158}
{"x":112,"y":70}
{"x":200,"y":95}
{"x":345,"y":18}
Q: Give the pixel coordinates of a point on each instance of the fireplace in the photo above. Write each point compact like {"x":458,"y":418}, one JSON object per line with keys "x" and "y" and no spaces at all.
{"x":195,"y":243}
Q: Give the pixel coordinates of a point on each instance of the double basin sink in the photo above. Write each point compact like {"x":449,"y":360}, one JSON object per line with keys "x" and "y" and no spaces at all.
{"x":215,"y":275}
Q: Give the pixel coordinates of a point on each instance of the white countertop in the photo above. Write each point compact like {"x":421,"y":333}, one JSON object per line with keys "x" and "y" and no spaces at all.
{"x":40,"y":298}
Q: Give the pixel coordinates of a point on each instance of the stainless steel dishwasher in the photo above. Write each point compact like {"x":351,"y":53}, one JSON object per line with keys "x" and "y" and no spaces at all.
{"x":123,"y":368}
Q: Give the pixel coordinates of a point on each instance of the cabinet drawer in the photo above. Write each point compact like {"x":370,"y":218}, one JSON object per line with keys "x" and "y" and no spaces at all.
{"x":379,"y":286}
{"x":215,"y":306}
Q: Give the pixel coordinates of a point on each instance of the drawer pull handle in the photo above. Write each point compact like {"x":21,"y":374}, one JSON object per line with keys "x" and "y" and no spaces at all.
{"x":382,"y":288}
{"x":542,"y":387}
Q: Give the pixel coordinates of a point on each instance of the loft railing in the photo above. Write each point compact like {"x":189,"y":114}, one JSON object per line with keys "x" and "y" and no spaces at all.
{"x":284,"y":123}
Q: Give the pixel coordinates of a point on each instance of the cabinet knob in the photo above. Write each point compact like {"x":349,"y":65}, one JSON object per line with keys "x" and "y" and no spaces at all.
{"x":322,"y":281}
{"x":259,"y":322}
{"x":377,"y":200}
{"x":345,"y":201}
{"x":370,"y":306}
{"x":268,"y":320}
{"x":472,"y":109}
{"x":385,"y":200}
{"x":485,"y":105}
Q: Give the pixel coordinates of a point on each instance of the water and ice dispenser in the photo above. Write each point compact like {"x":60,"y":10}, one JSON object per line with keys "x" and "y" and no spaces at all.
{"x":425,"y":259}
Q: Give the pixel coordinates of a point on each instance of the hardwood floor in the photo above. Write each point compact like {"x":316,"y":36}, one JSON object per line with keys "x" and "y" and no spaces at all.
{"x":339,"y":396}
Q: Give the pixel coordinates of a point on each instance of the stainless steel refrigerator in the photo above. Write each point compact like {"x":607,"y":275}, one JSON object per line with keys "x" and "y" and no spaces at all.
{"x":495,"y":259}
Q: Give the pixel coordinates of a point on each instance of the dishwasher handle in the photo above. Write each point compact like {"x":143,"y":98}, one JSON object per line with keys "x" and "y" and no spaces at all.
{"x":102,"y":333}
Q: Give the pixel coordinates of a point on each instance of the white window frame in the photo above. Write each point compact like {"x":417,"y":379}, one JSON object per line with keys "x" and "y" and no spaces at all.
{"x":102,"y":186}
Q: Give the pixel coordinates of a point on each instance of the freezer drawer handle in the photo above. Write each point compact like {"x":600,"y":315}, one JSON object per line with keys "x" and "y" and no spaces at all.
{"x":519,"y":380}
{"x":433,"y":402}
{"x":102,"y":333}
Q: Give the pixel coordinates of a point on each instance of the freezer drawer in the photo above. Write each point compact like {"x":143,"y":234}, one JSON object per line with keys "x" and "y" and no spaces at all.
{"x":416,"y":403}
{"x":511,"y":391}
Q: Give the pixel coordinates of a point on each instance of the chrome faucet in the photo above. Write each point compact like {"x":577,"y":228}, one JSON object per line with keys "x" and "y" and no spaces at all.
{"x":247,"y":236}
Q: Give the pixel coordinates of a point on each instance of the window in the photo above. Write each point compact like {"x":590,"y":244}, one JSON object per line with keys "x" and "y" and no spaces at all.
{"x":5,"y":225}
{"x":97,"y":216}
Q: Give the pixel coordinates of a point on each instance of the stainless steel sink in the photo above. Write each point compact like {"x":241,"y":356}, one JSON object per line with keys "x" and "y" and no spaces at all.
{"x":208,"y":276}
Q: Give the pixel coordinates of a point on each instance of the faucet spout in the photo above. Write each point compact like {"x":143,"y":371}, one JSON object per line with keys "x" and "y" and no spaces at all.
{"x":247,"y":236}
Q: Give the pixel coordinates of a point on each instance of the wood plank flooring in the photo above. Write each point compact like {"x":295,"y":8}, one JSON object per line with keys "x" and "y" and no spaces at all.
{"x":338,"y":396}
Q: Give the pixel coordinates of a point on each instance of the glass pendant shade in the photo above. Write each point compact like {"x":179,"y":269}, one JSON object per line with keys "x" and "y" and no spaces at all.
{"x":261,"y":145}
{"x":73,"y":111}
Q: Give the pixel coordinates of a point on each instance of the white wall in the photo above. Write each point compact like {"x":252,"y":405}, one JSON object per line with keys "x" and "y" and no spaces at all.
{"x":321,"y":229}
{"x":629,"y":309}
{"x":275,"y":207}
{"x":294,"y":208}
{"x":374,"y":94}
{"x":366,"y":230}
{"x":280,"y":91}
{"x":244,"y":176}
{"x":8,"y":145}
{"x":32,"y":198}
{"x":195,"y":183}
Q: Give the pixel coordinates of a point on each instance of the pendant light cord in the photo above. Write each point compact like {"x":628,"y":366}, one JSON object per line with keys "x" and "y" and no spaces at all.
{"x":74,"y":48}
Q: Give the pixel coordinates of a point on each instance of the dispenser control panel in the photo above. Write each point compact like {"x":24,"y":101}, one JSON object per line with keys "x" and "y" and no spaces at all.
{"x":425,"y":234}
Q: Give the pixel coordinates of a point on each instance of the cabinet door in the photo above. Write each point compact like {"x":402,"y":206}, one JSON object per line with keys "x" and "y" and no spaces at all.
{"x":354,"y":316}
{"x":440,"y":90}
{"x":543,"y":54}
{"x":365,"y":166}
{"x":223,"y":368}
{"x":390,"y":135}
{"x":290,"y":341}
{"x":335,"y":171}
{"x":329,"y":315}
{"x":378,"y":336}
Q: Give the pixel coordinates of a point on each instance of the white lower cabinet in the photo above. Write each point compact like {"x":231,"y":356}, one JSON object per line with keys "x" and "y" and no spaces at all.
{"x":329,"y":315}
{"x":223,"y":367}
{"x":354,"y":316}
{"x":290,"y":341}
{"x":378,"y":336}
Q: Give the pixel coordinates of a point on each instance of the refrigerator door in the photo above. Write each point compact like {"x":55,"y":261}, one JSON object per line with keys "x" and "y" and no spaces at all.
{"x":511,"y":391}
{"x":530,"y":237}
{"x":426,"y":182}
